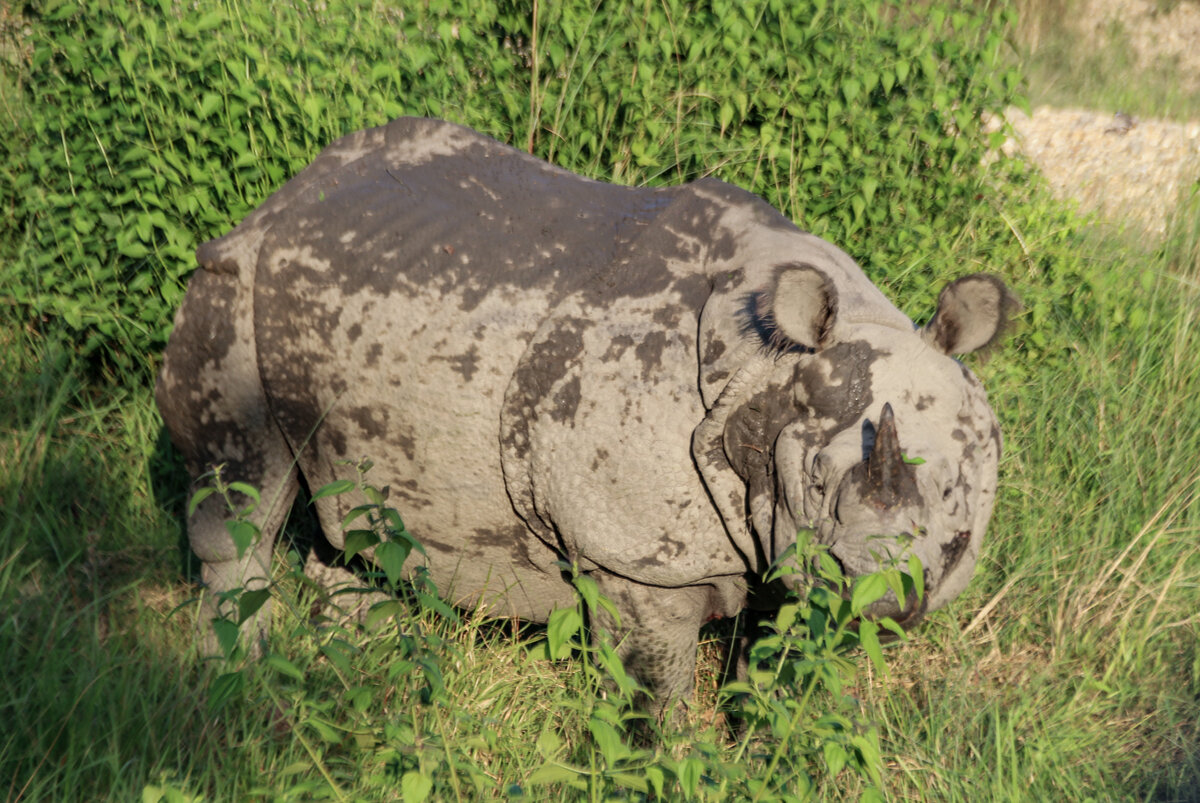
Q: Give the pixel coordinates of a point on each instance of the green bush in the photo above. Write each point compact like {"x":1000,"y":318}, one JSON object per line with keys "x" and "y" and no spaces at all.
{"x":145,"y":128}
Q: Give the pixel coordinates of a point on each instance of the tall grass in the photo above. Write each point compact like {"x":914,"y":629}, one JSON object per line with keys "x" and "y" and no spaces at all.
{"x":1071,"y":61}
{"x":1070,"y":669}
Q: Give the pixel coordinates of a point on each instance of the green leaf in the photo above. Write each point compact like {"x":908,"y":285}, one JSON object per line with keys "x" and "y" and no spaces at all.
{"x":689,"y":772}
{"x":355,"y":514}
{"x":851,"y":89}
{"x":415,"y":787}
{"x":333,"y":489}
{"x":284,"y":667}
{"x":390,"y":556}
{"x":552,"y":773}
{"x":917,"y":572}
{"x":726,"y":116}
{"x":564,"y":624}
{"x":835,"y":756}
{"x":382,"y":611}
{"x":548,"y":743}
{"x":608,"y":740}
{"x":325,"y":730}
{"x":224,"y":688}
{"x":869,"y":185}
{"x":439,"y":606}
{"x":199,"y":497}
{"x":249,"y":603}
{"x":209,"y":103}
{"x":227,"y":635}
{"x":588,"y":590}
{"x":357,"y":541}
{"x":656,"y":777}
{"x":869,"y":588}
{"x":337,"y":656}
{"x":249,"y":491}
{"x":244,"y":534}
{"x":868,"y":639}
{"x":630,"y":781}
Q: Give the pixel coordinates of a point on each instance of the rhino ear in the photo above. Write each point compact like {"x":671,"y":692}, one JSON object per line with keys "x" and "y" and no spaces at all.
{"x":972,"y":313}
{"x":799,"y":308}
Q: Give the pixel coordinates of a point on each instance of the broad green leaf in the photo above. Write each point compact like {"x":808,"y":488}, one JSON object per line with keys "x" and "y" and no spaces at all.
{"x":355,"y":514}
{"x":917,"y":572}
{"x":869,"y":185}
{"x":382,"y":611}
{"x":564,"y":625}
{"x":867,"y":590}
{"x":209,"y":103}
{"x":726,"y":116}
{"x":227,"y":635}
{"x":608,"y":740}
{"x":356,"y":541}
{"x":245,"y":534}
{"x":551,"y":773}
{"x":324,"y":729}
{"x":284,"y":667}
{"x":249,"y":603}
{"x":415,"y":786}
{"x":390,"y":555}
{"x":333,"y":489}
{"x":199,"y":497}
{"x":249,"y":491}
{"x":868,"y":638}
{"x":835,"y":756}
{"x":224,"y":688}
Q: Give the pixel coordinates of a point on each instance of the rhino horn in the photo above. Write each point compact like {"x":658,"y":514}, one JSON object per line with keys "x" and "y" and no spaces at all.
{"x":890,"y":480}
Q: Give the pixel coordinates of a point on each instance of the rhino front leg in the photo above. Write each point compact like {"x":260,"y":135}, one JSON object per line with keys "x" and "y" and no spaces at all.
{"x":222,"y":570}
{"x":656,"y":637}
{"x":214,"y":407}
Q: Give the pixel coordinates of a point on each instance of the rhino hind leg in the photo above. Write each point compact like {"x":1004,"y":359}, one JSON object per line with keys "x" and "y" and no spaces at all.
{"x":656,"y":637}
{"x":214,"y":408}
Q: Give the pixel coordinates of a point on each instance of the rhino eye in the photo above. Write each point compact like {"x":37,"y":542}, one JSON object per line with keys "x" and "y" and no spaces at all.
{"x":946,"y":493}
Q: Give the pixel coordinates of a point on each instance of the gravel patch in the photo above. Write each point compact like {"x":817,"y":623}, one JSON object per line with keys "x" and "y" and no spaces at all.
{"x":1128,"y":170}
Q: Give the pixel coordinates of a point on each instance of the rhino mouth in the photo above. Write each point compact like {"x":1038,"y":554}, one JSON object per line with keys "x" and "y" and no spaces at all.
{"x":906,"y":616}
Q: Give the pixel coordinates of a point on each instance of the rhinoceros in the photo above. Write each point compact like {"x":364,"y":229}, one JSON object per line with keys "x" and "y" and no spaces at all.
{"x":660,"y":386}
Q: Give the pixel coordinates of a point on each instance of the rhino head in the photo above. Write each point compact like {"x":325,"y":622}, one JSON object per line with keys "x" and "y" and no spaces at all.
{"x":862,"y":428}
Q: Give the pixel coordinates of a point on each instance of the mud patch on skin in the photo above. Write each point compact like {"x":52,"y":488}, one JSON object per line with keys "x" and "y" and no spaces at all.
{"x":599,"y":459}
{"x":547,"y":362}
{"x":466,"y":364}
{"x":515,"y":539}
{"x":617,"y":348}
{"x":835,"y":385}
{"x":566,"y":402}
{"x":372,"y":422}
{"x":402,"y":437}
{"x":650,"y":352}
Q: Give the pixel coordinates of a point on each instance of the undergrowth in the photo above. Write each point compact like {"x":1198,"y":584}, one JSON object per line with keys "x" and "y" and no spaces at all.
{"x":144,"y":128}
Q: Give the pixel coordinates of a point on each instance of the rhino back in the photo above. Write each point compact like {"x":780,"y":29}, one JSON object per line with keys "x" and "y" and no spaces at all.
{"x":395,"y":294}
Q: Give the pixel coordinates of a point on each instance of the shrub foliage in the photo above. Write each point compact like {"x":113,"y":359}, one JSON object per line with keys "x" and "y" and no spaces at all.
{"x":144,"y":128}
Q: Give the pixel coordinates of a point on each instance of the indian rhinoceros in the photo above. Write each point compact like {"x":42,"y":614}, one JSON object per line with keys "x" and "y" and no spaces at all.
{"x":660,"y":386}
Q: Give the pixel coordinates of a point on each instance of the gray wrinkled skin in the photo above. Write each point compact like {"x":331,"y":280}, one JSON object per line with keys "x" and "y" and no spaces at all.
{"x":659,"y":385}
